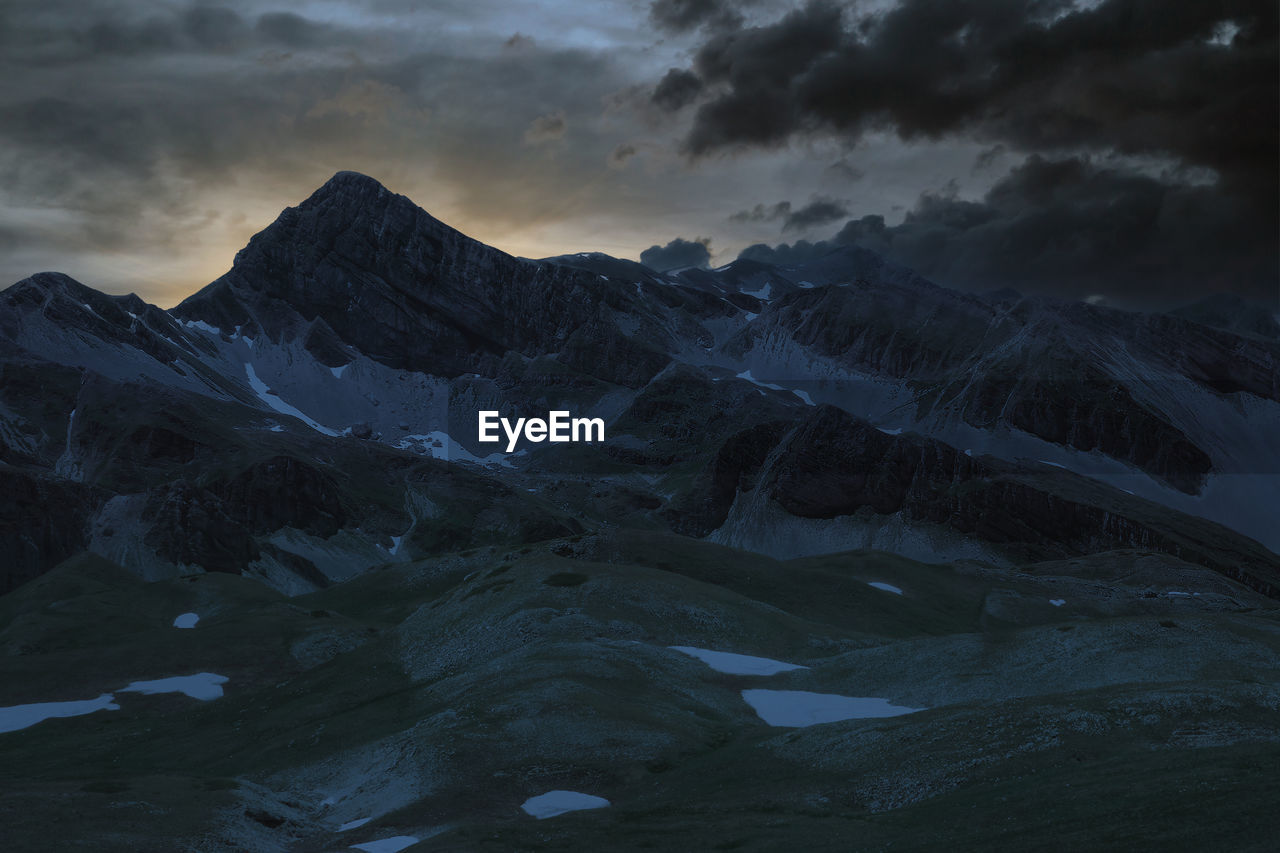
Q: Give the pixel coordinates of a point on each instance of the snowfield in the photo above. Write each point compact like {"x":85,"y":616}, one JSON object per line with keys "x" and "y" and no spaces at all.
{"x":746,"y":374}
{"x":203,"y":686}
{"x":18,"y":717}
{"x":735,"y":664}
{"x":800,"y":708}
{"x":555,"y":803}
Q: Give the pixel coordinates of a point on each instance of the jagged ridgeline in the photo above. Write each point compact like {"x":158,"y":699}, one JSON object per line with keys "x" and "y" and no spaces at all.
{"x":311,"y":414}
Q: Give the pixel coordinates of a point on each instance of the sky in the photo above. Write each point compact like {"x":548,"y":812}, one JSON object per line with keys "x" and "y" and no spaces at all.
{"x":1121,"y":152}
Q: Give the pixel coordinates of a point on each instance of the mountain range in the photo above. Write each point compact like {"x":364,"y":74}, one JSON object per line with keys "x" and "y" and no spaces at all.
{"x":410,"y":615}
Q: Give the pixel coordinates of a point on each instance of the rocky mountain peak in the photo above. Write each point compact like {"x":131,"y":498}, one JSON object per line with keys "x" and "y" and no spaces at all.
{"x":390,"y":280}
{"x":352,"y":215}
{"x":66,"y":302}
{"x":45,"y":284}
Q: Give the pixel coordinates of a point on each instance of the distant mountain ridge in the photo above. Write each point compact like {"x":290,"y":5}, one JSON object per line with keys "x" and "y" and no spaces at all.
{"x":311,"y":414}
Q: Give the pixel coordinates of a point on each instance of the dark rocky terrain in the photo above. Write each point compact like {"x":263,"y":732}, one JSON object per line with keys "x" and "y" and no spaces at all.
{"x":1076,"y":506}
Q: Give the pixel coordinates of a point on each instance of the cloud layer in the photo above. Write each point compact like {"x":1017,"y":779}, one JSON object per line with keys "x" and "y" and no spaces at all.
{"x":1075,"y":229}
{"x":678,"y":253}
{"x":1182,"y":96}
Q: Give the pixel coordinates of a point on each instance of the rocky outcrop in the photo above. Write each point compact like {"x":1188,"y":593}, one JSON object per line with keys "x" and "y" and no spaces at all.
{"x":283,"y":492}
{"x":732,"y":471}
{"x":43,"y":521}
{"x":835,"y":465}
{"x":191,"y":527}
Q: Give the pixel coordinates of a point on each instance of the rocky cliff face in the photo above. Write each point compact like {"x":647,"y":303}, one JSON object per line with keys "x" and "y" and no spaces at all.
{"x":1077,"y":376}
{"x":43,"y":521}
{"x":833,"y":465}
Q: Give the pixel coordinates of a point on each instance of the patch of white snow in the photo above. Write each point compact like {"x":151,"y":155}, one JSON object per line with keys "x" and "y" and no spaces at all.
{"x":260,"y":388}
{"x":203,"y":686}
{"x":441,"y":446}
{"x":18,"y":717}
{"x":736,"y":664}
{"x":800,"y":708}
{"x":555,"y":803}
{"x":746,"y":374}
{"x":203,"y":326}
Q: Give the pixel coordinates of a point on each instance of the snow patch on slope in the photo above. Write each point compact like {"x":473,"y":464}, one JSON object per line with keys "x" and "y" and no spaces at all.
{"x":203,"y":686}
{"x":439,"y":445}
{"x":264,"y":393}
{"x":736,"y":664}
{"x":18,"y":717}
{"x":555,"y":803}
{"x":800,"y":708}
{"x":746,"y":374}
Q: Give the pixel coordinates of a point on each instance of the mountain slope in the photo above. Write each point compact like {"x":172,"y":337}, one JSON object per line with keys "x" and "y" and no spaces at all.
{"x":431,"y":699}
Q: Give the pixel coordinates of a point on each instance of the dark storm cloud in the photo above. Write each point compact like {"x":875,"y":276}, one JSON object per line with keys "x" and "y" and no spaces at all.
{"x":678,"y":253}
{"x":621,"y":154}
{"x":679,"y":16}
{"x":546,"y":128}
{"x":676,"y":90}
{"x":988,"y":157}
{"x":1139,"y":77}
{"x":762,"y":213}
{"x":845,"y":171}
{"x":819,"y":211}
{"x":1189,"y":84}
{"x":1074,"y":229}
{"x":788,"y":254}
{"x":290,"y":29}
